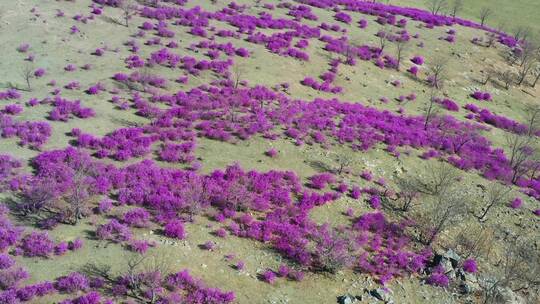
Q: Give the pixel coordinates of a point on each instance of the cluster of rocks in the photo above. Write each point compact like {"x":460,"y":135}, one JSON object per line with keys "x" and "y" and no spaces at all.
{"x":381,"y":294}
{"x":469,"y":283}
{"x":450,"y":262}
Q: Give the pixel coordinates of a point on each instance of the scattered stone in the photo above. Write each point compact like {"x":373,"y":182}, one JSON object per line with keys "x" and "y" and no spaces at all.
{"x":347,"y":299}
{"x":447,"y":265}
{"x":510,"y":297}
{"x":449,"y":261}
{"x":452,"y":255}
{"x":382,"y":294}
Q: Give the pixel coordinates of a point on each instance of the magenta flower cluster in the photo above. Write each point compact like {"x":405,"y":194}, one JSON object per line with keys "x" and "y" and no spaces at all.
{"x":65,"y":109}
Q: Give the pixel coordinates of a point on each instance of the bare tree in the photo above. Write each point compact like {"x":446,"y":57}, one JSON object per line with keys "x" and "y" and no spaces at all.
{"x":401,"y":47}
{"x":333,"y":249}
{"x":474,"y":242}
{"x":194,"y":196}
{"x":238,"y":74}
{"x":489,"y":73}
{"x":430,"y":109}
{"x":502,"y":26}
{"x":38,"y":196}
{"x":437,"y":72}
{"x":485,"y":12}
{"x":497,"y":195}
{"x":530,"y":61}
{"x":145,"y":274}
{"x":344,"y":160}
{"x":235,"y":105}
{"x":536,"y":74}
{"x":518,"y":269}
{"x":534,"y":168}
{"x":68,"y":207}
{"x":445,"y":210}
{"x":27,"y":74}
{"x":522,"y":33}
{"x":456,"y":7}
{"x":77,"y":197}
{"x":529,"y":52}
{"x":408,"y":194}
{"x":524,"y":70}
{"x":439,"y":178}
{"x":491,"y":38}
{"x":436,"y":6}
{"x":507,"y":78}
{"x":460,"y":137}
{"x":350,"y":51}
{"x":533,"y":118}
{"x":382,"y":34}
{"x":129,"y":9}
{"x":522,"y":151}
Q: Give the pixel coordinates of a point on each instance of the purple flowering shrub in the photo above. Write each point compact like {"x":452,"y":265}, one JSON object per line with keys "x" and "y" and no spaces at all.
{"x":413,"y":70}
{"x":140,"y":246}
{"x":72,"y":283}
{"x":122,"y":144}
{"x":343,"y":17}
{"x":516,"y":203}
{"x":234,"y":191}
{"x":438,"y":278}
{"x":208,"y":245}
{"x":182,"y":153}
{"x":11,"y":278}
{"x":469,"y":265}
{"x":92,"y":297}
{"x":175,"y":229}
{"x":271,"y":153}
{"x":61,"y":248}
{"x":195,"y":291}
{"x":482,"y":96}
{"x":418,"y":60}
{"x":64,"y":109}
{"x":269,"y":276}
{"x":104,"y":206}
{"x":9,"y":234}
{"x":37,"y":244}
{"x":12,"y":109}
{"x":10,"y":94}
{"x":271,"y":207}
{"x":334,"y":250}
{"x":449,"y":104}
{"x":138,"y":217}
{"x":75,"y":244}
{"x":31,"y":133}
{"x":498,"y":121}
{"x":9,"y":171}
{"x":114,"y":231}
{"x":6,"y":261}
{"x":320,"y":181}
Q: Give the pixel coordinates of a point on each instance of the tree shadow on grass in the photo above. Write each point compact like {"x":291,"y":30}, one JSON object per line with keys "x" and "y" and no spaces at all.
{"x":112,"y":20}
{"x":320,"y":166}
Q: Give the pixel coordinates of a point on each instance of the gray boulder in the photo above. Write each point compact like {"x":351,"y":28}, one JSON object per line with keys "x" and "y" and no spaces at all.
{"x":347,"y":299}
{"x":452,"y":256}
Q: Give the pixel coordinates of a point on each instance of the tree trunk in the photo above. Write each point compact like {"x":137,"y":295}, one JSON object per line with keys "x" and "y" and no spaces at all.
{"x":536,"y":80}
{"x":482,"y":217}
{"x":521,"y":78}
